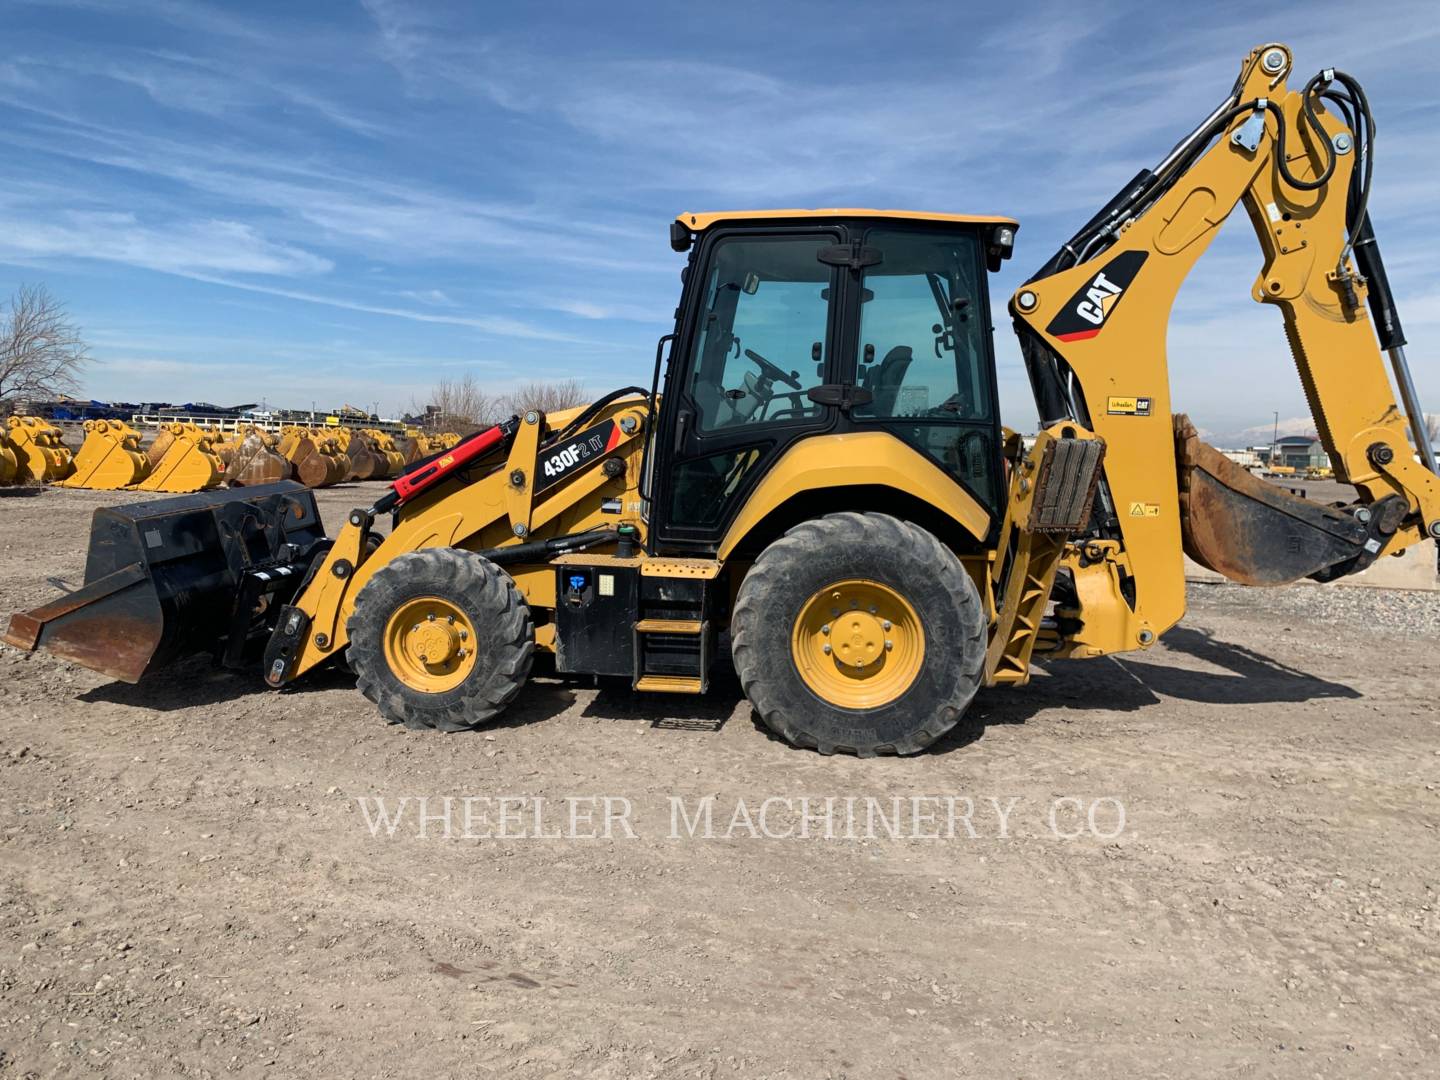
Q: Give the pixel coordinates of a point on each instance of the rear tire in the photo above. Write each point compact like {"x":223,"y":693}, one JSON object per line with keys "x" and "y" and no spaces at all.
{"x":440,"y":638}
{"x":908,"y":671}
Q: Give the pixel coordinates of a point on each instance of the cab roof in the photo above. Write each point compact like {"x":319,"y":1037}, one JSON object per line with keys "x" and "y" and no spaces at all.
{"x":699,"y":222}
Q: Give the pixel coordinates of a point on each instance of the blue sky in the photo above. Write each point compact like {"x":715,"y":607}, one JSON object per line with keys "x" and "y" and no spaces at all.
{"x":350,"y":201}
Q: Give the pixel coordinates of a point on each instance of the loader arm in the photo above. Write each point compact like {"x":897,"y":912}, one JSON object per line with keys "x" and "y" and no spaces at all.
{"x":1092,"y":326}
{"x":523,"y":495}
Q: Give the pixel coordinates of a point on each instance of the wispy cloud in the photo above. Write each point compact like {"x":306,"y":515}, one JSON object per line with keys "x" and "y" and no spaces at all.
{"x":178,"y":247}
{"x":444,"y":181}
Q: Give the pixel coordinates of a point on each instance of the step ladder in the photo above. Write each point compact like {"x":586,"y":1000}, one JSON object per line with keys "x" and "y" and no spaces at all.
{"x":673,"y":640}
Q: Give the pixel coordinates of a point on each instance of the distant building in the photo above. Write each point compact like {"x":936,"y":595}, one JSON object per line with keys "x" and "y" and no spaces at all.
{"x":1300,"y":452}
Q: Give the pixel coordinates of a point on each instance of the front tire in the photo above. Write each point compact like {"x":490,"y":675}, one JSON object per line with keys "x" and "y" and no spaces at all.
{"x":859,"y":633}
{"x":440,"y":638}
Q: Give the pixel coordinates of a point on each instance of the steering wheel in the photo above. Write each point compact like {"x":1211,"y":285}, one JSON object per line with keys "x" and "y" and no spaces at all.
{"x":770,"y":371}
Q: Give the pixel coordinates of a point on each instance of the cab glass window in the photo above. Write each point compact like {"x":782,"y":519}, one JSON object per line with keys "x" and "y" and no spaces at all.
{"x":763,"y":338}
{"x":923,"y":350}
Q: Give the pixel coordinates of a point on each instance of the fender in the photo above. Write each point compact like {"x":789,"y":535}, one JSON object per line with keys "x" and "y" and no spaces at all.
{"x":870,"y":458}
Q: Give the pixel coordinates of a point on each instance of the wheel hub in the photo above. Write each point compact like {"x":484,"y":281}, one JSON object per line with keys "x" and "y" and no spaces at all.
{"x":858,"y":639}
{"x":858,"y":644}
{"x":433,"y":642}
{"x":429,"y":644}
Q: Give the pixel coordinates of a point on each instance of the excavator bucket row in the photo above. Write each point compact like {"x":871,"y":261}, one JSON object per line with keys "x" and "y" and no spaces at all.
{"x":110,"y":458}
{"x":368,"y":459}
{"x":419,"y":445}
{"x":315,"y":454}
{"x":40,"y":455}
{"x":253,"y":458}
{"x":382,"y":444}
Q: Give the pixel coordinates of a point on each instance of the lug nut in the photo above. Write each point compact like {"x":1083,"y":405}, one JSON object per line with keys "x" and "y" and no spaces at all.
{"x":450,"y":619}
{"x":885,"y":624}
{"x":430,"y":617}
{"x":889,"y":645}
{"x":825,"y":629}
{"x":825,"y":648}
{"x":464,"y":634}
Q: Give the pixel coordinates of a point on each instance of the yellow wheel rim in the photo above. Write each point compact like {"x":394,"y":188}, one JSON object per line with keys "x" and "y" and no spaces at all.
{"x":858,"y":644}
{"x":430,"y":645}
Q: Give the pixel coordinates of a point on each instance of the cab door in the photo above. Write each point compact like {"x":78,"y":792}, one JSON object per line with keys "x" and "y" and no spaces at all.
{"x":761,"y":333}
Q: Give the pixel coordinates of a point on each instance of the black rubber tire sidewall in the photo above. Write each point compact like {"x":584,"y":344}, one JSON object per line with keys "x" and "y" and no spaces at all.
{"x":504,"y":638}
{"x":874,"y":547}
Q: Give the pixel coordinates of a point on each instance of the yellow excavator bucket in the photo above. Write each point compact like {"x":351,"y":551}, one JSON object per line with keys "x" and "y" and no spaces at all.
{"x":41,"y":456}
{"x":9,"y":463}
{"x":382,"y":444}
{"x":417,"y":446}
{"x":182,"y":458}
{"x":255,"y":459}
{"x":110,"y":458}
{"x":366,"y":462}
{"x":316,"y":456}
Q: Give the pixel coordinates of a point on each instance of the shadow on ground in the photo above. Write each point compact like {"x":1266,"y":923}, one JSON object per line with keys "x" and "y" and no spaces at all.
{"x":1115,"y":683}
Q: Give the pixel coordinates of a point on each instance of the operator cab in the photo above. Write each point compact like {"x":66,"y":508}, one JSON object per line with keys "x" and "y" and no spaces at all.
{"x":796,"y":323}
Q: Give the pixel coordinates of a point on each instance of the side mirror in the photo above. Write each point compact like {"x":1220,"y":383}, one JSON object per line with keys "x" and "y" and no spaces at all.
{"x":752,"y":284}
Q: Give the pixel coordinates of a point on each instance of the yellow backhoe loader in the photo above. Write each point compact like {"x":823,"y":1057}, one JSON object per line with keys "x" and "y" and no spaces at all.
{"x":824,"y":490}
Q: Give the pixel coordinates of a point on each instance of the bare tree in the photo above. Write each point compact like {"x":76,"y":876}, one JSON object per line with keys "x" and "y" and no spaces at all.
{"x":41,"y":351}
{"x":546,"y":396}
{"x":460,"y":405}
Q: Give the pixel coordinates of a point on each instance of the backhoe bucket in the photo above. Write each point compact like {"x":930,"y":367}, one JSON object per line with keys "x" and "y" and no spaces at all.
{"x":174,"y":577}
{"x":182,"y":459}
{"x":255,"y":461}
{"x":40,"y":454}
{"x":1257,"y":533}
{"x":110,"y":458}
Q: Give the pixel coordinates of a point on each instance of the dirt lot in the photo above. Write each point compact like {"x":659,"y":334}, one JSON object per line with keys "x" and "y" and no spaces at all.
{"x":188,"y":886}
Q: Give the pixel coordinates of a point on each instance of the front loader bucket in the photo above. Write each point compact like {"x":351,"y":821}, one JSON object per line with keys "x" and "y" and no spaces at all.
{"x":255,"y":461}
{"x":40,"y":454}
{"x":178,"y":576}
{"x":109,"y":459}
{"x":1257,"y":533}
{"x":182,"y":459}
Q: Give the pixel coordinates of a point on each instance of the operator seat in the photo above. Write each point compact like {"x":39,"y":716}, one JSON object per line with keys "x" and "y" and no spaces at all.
{"x":884,"y":379}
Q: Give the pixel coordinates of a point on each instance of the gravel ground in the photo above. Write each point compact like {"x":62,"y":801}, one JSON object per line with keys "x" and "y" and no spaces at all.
{"x":193,"y":882}
{"x":1412,"y":613}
